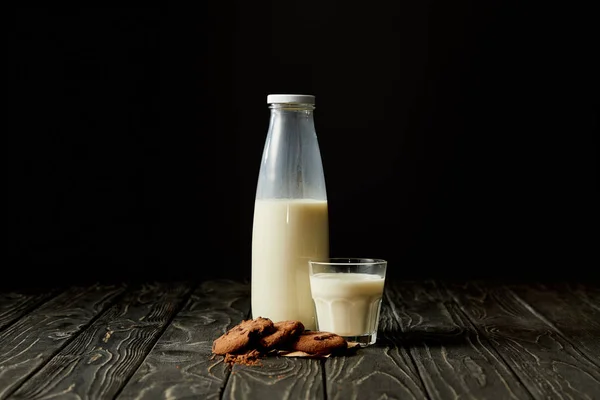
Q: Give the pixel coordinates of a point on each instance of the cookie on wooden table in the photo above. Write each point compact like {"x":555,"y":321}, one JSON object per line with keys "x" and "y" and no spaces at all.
{"x":242,"y":336}
{"x":317,"y":342}
{"x":285,"y":331}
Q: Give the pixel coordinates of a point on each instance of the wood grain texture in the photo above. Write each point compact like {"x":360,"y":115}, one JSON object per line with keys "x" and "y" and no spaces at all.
{"x":572,"y":316}
{"x":547,"y":364}
{"x":277,"y":378}
{"x":376,"y":372}
{"x":180,"y":364}
{"x":98,"y":362}
{"x":14,"y":305}
{"x":33,"y":339}
{"x":588,"y":293}
{"x":382,"y":371}
{"x":452,"y":358}
{"x":436,"y":340}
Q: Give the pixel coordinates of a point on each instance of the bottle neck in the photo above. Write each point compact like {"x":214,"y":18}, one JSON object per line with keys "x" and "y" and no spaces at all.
{"x":291,"y":166}
{"x":292,"y":119}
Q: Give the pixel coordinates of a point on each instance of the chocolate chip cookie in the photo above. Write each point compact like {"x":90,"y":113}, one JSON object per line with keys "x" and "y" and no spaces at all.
{"x":242,"y":336}
{"x":317,"y":342}
{"x":285,"y":331}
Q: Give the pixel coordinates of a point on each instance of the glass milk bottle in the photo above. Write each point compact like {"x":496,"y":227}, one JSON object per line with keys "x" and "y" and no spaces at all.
{"x":291,"y":222}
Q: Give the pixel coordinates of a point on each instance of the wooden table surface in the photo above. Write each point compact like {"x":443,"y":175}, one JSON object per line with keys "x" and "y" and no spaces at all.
{"x":438,"y":340}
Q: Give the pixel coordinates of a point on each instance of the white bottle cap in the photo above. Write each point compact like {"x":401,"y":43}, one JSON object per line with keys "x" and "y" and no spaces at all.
{"x":291,"y":98}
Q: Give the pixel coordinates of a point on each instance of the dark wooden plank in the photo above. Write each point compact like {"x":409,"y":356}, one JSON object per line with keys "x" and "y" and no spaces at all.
{"x":376,"y":372}
{"x":276,"y":378}
{"x":32,"y":340}
{"x":180,"y":365}
{"x":547,"y":364}
{"x":576,"y":319}
{"x":383,"y":370}
{"x":453,"y":360}
{"x":589,"y":293}
{"x":98,"y":362}
{"x":14,"y":305}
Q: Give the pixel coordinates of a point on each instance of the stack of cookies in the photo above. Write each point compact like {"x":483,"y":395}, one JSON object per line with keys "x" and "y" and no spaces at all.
{"x":250,"y":340}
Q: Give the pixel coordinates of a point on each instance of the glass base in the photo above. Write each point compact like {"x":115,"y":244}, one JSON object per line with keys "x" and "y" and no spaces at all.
{"x":362,"y":340}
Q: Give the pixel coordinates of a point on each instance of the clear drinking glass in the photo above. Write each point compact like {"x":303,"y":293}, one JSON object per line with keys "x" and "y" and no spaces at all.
{"x":347,"y":295}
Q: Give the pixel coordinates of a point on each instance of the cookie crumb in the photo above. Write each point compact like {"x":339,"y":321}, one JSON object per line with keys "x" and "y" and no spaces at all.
{"x":250,"y":358}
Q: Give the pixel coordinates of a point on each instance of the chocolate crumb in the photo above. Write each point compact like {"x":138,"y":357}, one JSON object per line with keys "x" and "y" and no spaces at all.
{"x":252,"y":357}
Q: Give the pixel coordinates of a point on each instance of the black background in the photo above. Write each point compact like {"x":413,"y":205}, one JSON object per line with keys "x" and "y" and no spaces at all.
{"x":458,"y":138}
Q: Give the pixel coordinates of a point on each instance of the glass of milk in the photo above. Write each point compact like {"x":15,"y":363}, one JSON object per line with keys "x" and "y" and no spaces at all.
{"x":347,"y":295}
